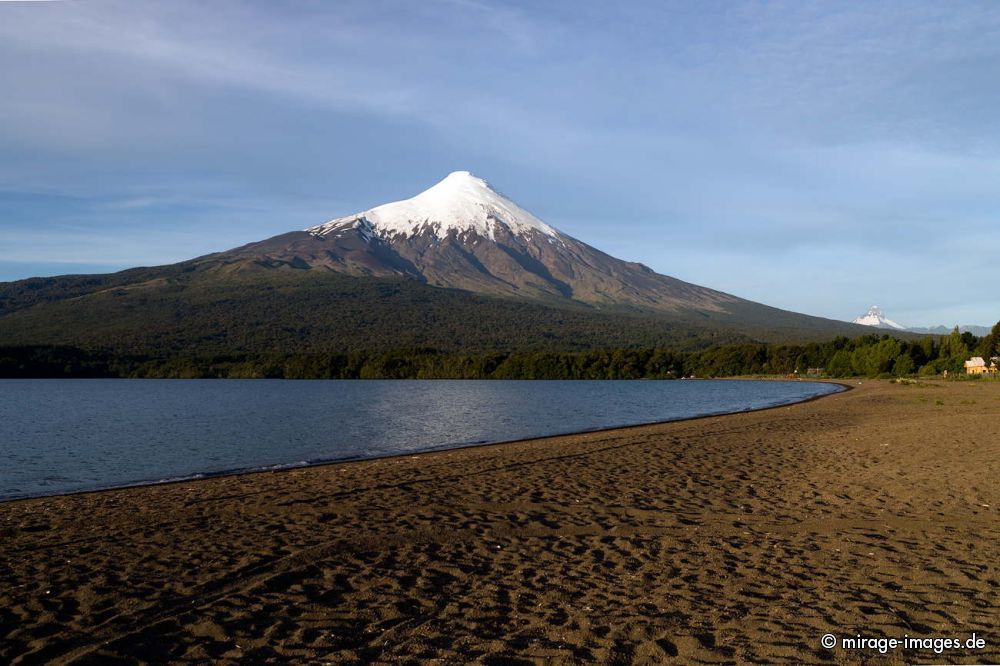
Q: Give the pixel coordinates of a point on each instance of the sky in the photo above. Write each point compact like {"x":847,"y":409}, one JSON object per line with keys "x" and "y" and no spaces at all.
{"x":818,"y":157}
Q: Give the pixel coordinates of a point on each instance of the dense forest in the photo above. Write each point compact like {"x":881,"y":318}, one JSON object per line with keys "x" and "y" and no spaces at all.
{"x":875,"y":355}
{"x":200,"y":310}
{"x":255,"y":314}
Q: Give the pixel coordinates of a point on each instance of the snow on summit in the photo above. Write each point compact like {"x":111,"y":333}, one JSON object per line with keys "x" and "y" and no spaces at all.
{"x":461,"y":202}
{"x":875,"y":317}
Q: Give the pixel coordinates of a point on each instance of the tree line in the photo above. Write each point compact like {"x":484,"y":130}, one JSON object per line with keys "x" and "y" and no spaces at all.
{"x":869,"y":356}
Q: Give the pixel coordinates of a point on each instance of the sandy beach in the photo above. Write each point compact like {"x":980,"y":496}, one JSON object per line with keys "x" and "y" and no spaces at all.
{"x":732,"y":539}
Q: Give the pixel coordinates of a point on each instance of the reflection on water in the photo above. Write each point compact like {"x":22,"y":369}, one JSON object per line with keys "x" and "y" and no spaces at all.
{"x":65,"y":435}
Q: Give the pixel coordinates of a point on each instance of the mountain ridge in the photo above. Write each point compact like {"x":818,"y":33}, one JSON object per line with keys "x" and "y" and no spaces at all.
{"x":876,"y":318}
{"x":440,"y":262}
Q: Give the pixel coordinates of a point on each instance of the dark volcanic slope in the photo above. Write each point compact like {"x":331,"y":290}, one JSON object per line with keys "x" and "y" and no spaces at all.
{"x":215,"y":307}
{"x":223,"y":309}
{"x":525,"y":266}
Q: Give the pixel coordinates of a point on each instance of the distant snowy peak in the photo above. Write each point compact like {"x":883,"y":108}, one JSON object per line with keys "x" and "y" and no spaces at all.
{"x":875,"y":317}
{"x":461,"y":203}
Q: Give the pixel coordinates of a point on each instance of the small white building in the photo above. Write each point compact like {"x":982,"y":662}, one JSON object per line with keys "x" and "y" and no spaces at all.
{"x":977,"y":366}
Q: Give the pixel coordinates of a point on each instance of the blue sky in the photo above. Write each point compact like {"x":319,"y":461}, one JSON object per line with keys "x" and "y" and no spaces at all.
{"x":819,"y":157}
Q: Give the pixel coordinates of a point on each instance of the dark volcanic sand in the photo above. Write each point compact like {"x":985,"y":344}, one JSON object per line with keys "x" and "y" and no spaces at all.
{"x":739,"y":538}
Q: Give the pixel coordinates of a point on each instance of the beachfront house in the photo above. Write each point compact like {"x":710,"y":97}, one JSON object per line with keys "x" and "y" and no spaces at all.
{"x":977,"y":366}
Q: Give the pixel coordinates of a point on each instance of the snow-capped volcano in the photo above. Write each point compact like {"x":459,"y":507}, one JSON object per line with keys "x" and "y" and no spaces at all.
{"x":461,"y":233}
{"x":875,"y":317}
{"x":460,"y":203}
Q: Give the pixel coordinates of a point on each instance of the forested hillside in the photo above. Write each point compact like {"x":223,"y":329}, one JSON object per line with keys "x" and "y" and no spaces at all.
{"x":201,"y":308}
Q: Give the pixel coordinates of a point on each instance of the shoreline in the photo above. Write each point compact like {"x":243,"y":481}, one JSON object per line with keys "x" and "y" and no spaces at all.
{"x":741,"y":538}
{"x":285,"y":467}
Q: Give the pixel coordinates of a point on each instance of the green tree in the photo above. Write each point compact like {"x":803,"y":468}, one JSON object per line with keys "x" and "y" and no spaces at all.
{"x":903,"y":365}
{"x":840,"y":364}
{"x":989,"y":346}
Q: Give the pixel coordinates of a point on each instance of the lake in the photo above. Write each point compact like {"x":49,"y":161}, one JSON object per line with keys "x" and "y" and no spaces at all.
{"x":59,"y":436}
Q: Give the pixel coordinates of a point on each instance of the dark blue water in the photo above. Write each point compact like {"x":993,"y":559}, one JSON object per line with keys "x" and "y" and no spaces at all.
{"x":60,"y":436}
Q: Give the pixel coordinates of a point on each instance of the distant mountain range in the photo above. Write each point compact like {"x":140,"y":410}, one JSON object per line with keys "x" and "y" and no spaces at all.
{"x":459,"y":266}
{"x":875,"y":317}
